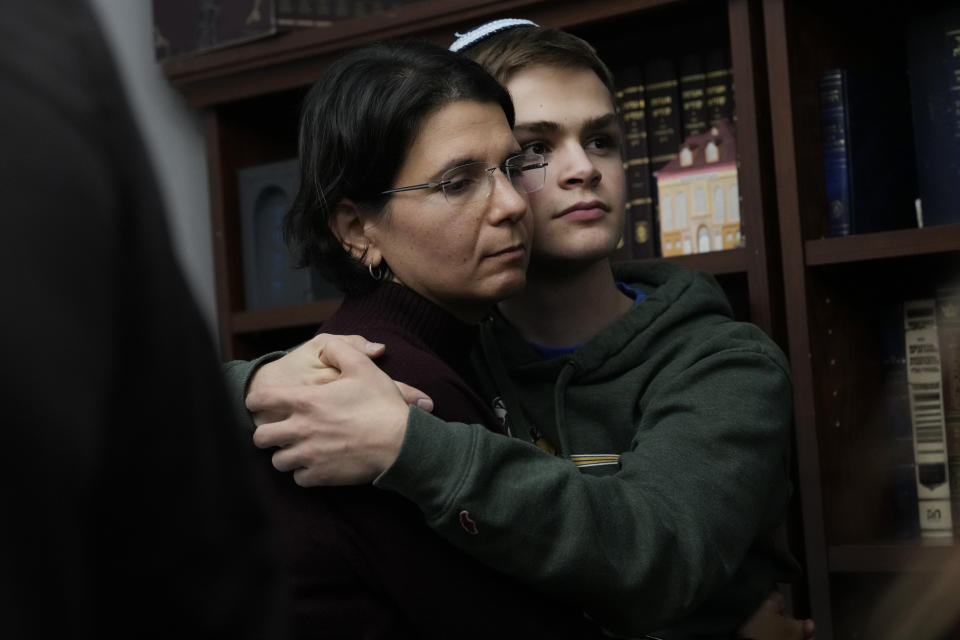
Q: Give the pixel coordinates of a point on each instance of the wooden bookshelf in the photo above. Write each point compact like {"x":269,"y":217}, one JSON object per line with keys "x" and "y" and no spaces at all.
{"x":818,"y":297}
{"x":840,"y":292}
{"x":733,"y":261}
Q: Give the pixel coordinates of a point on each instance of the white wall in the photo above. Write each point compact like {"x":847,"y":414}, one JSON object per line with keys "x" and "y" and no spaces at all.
{"x":174,"y":136}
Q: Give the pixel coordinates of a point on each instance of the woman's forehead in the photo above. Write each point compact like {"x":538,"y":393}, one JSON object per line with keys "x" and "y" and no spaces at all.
{"x":462,"y":131}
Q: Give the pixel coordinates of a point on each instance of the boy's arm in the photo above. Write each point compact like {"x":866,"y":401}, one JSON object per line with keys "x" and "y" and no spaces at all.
{"x":302,"y":367}
{"x":638,"y":548}
{"x":772,"y":622}
{"x":237,"y":375}
{"x":646,"y":545}
{"x":296,"y":394}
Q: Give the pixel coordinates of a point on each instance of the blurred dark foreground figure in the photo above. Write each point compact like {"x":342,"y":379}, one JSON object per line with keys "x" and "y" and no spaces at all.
{"x":117,"y":520}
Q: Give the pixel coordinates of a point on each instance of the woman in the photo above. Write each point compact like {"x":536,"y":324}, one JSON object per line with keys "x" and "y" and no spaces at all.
{"x":412,"y":201}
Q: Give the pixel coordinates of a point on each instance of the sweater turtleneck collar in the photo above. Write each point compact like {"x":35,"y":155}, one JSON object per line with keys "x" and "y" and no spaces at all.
{"x":450,"y":338}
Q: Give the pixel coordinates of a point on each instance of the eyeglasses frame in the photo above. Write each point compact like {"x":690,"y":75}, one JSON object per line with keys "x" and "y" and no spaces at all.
{"x":538,"y":164}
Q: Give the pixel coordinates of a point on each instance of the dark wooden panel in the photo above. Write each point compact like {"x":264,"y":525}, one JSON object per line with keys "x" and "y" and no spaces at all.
{"x":296,"y":58}
{"x":284,"y":317}
{"x":222,"y":184}
{"x":715,"y":262}
{"x":887,"y":244}
{"x":755,"y":156}
{"x":775,"y":13}
{"x":891,"y":557}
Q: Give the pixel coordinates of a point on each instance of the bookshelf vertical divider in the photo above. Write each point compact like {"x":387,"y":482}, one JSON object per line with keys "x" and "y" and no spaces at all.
{"x":222,"y":198}
{"x":794,"y":282}
{"x":757,"y":187}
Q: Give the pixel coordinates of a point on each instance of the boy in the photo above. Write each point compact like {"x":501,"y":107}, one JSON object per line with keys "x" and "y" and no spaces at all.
{"x":675,"y":417}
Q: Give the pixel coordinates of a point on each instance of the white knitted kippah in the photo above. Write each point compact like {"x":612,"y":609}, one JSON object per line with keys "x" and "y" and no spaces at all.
{"x":477,"y":34}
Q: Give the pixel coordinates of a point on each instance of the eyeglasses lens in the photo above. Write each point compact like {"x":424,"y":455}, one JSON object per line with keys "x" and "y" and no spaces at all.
{"x":473,"y":181}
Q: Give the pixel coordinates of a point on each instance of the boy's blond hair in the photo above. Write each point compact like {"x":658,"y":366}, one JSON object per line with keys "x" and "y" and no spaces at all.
{"x":504,"y":53}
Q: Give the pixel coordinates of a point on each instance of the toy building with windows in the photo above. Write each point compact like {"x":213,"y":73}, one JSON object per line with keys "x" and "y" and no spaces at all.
{"x":699,"y":201}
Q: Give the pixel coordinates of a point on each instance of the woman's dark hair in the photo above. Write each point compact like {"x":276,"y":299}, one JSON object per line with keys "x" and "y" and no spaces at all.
{"x":357,"y":124}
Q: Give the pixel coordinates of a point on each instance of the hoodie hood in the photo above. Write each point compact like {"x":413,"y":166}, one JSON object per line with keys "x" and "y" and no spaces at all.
{"x":616,"y":376}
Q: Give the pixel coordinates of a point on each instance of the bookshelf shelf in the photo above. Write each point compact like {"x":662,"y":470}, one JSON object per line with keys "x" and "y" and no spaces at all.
{"x":283,"y":317}
{"x":715,"y":262}
{"x":890,"y":558}
{"x":878,"y":246}
{"x":295,"y":58}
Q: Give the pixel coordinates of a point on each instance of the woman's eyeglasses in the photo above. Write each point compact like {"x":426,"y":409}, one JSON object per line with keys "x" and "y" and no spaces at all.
{"x":474,"y":181}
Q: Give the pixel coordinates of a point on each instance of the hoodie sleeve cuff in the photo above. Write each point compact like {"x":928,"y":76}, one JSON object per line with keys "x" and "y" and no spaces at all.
{"x":237,"y":374}
{"x":434,"y":459}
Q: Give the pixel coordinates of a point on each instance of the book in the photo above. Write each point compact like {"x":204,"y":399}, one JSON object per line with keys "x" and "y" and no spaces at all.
{"x":924,"y":382}
{"x":933,"y":67}
{"x":270,"y":279}
{"x":948,"y":332}
{"x":304,"y":13}
{"x":718,"y":86}
{"x":894,"y":404}
{"x":664,"y":128}
{"x":639,"y":235}
{"x":324,"y":13}
{"x":187,"y":27}
{"x":624,"y":250}
{"x":693,"y":95}
{"x":664,"y":132}
{"x":870,"y":182}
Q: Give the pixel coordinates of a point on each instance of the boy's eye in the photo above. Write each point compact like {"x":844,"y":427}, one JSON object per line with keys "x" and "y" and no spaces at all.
{"x":603,"y":143}
{"x":535,"y":147}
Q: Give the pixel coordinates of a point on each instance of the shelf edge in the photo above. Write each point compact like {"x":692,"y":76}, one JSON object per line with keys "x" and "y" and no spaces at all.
{"x":893,"y":558}
{"x":882,"y":245}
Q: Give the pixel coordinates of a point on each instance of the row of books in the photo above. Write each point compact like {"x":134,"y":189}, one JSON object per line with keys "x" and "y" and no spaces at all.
{"x":873,"y":182}
{"x":189,"y":27}
{"x":669,"y":105}
{"x":323,"y":13}
{"x":924,"y":420}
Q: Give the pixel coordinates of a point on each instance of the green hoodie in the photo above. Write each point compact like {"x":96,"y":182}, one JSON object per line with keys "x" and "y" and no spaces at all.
{"x":671,"y":475}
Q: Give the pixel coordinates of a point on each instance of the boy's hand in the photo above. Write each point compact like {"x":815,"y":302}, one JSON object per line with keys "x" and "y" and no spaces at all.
{"x":769,"y":622}
{"x":337,"y":418}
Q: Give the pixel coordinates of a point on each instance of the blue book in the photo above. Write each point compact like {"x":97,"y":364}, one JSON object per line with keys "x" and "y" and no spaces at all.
{"x":933,"y":60}
{"x":869,"y":176}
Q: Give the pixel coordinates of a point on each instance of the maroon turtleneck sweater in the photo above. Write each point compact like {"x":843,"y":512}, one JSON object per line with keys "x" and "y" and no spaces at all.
{"x":361,"y":560}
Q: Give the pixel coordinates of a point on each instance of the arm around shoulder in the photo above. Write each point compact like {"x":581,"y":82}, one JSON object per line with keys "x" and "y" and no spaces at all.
{"x":704,"y":476}
{"x":238,"y":374}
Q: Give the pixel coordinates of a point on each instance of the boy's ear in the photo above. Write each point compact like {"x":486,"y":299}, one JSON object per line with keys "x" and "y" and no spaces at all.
{"x":350,"y":225}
